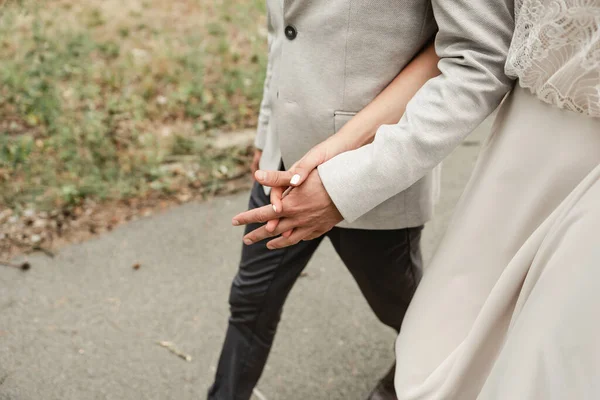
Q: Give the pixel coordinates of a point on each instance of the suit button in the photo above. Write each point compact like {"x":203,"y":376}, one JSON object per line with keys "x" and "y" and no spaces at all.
{"x":290,"y":32}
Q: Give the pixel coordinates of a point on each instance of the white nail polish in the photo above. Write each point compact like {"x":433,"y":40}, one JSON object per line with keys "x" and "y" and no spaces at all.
{"x":295,"y":179}
{"x":274,"y":208}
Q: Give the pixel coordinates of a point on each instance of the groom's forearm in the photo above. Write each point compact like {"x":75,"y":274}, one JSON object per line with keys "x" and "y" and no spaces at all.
{"x":472,"y":43}
{"x":389,"y":106}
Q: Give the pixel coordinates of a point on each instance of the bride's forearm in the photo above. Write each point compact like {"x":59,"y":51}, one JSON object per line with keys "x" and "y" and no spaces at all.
{"x":389,"y":106}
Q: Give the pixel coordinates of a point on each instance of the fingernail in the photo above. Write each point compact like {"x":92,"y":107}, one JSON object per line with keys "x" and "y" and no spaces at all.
{"x":274,"y":208}
{"x":295,"y":179}
{"x":247,"y":242}
{"x":235,"y":222}
{"x":270,"y":247}
{"x":261,"y":175}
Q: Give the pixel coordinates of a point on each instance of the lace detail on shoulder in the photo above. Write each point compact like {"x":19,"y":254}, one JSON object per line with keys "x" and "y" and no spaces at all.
{"x":555,"y":52}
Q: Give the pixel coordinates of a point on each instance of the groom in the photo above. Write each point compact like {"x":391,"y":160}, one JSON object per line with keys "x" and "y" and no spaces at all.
{"x":327,"y":61}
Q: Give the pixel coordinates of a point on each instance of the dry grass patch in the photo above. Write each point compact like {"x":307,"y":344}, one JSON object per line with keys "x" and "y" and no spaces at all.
{"x":112,"y":100}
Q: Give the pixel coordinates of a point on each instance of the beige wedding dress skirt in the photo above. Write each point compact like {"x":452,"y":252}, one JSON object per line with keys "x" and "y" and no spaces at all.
{"x":509,"y":308}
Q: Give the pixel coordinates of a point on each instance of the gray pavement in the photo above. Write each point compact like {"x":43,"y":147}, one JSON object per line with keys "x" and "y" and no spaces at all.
{"x":85,"y":325}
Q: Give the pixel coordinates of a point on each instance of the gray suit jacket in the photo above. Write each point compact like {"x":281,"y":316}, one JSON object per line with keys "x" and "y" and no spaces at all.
{"x":327,"y":61}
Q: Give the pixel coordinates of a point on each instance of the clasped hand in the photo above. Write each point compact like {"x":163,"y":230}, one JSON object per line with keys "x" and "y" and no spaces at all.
{"x":306,"y":213}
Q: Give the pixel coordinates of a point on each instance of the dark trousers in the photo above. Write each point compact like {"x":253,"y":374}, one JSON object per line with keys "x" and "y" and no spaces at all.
{"x":386,"y":264}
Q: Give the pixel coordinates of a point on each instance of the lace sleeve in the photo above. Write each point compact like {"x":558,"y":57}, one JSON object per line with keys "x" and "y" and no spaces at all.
{"x":555,"y":52}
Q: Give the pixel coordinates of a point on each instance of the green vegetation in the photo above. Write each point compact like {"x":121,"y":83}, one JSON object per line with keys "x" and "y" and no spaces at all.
{"x":97,"y":99}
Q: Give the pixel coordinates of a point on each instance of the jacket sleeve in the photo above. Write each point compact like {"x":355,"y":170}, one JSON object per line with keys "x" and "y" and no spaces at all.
{"x":264,"y":115}
{"x":472,"y":43}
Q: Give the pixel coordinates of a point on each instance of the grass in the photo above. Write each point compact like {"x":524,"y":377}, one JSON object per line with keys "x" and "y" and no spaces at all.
{"x":98,"y":99}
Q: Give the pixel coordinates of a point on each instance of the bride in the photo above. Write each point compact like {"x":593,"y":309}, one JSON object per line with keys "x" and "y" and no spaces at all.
{"x":508,"y":308}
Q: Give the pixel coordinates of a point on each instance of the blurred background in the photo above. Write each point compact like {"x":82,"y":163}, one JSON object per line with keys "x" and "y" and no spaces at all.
{"x":121,"y":105}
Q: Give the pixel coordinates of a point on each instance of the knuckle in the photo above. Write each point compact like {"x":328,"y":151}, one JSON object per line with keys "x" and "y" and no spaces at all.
{"x":277,"y":179}
{"x":303,"y":221}
{"x":283,"y":179}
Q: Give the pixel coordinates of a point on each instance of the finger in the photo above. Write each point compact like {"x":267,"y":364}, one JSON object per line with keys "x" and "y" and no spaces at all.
{"x":262,"y":214}
{"x":261,"y":233}
{"x":272,"y":225}
{"x":257,"y":235}
{"x":273,"y":178}
{"x":287,"y":233}
{"x":294,"y":238}
{"x":276,"y":202}
{"x":301,"y":169}
{"x":276,"y":195}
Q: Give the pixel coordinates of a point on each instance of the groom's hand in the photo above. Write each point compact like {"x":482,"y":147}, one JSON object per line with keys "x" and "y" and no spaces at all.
{"x":308,"y":210}
{"x":279,"y":181}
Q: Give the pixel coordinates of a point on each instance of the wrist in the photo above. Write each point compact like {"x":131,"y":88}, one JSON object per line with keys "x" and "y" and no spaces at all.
{"x":335,"y":145}
{"x":354,"y":135}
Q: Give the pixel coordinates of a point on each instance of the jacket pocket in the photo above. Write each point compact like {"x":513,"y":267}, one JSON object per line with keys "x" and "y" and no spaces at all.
{"x":340,"y":118}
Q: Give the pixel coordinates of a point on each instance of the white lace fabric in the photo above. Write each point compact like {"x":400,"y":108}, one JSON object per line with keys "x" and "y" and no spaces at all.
{"x":555,"y":52}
